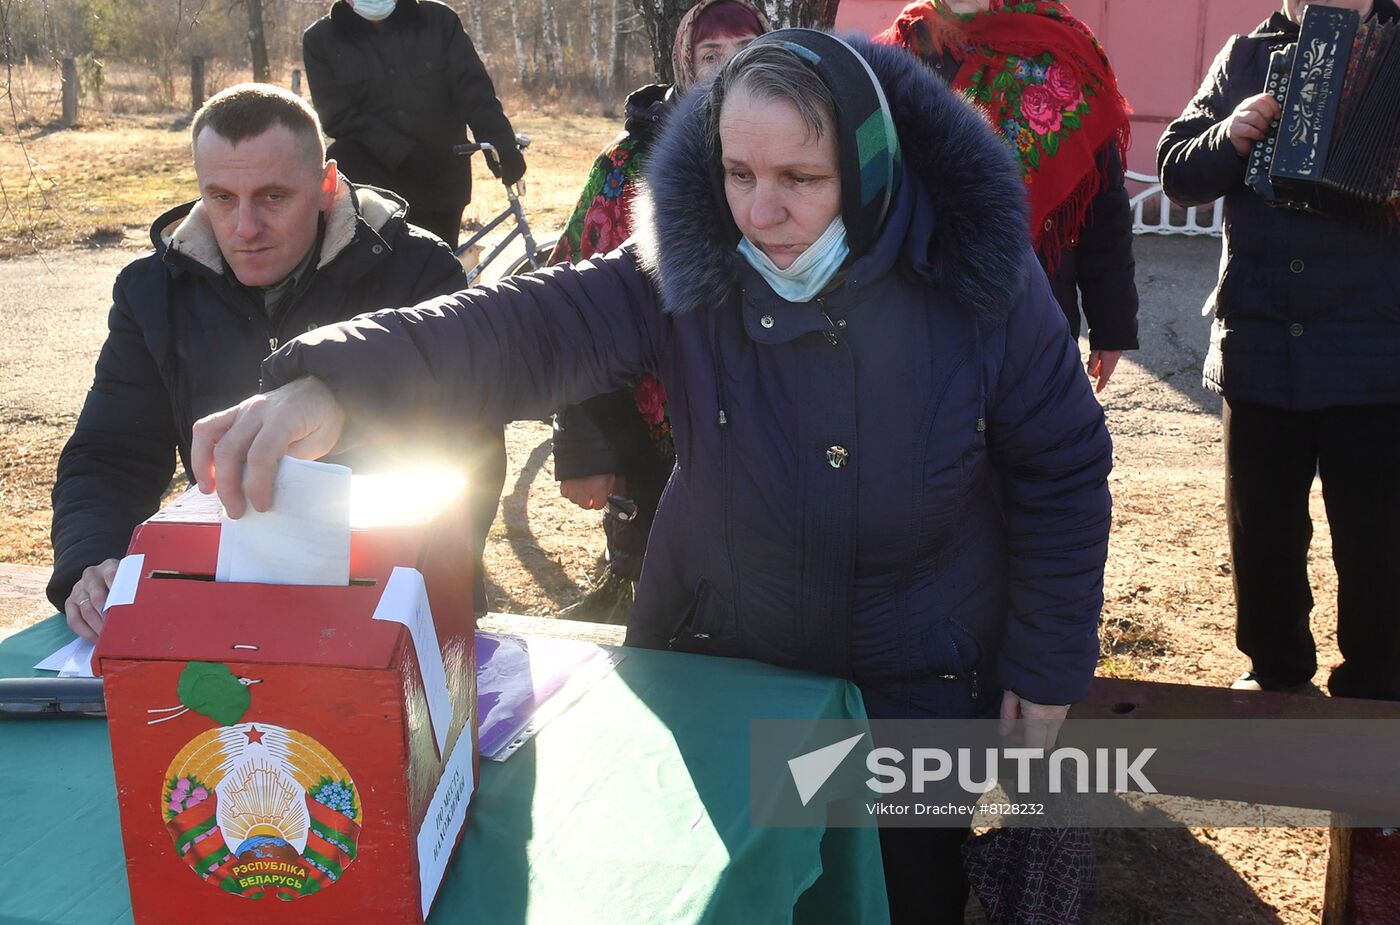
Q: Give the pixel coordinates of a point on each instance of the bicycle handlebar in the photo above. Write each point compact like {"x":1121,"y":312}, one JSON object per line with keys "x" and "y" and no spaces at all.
{"x":521,"y":142}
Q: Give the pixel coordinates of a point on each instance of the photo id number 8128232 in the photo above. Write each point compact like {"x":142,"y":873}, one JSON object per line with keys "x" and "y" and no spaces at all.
{"x":1011,"y":809}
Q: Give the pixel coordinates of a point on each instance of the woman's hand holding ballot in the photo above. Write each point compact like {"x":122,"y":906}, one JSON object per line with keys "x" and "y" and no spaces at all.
{"x":237,"y":450}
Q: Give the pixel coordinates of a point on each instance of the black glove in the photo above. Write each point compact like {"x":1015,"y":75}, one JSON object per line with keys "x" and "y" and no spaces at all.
{"x":512,"y":164}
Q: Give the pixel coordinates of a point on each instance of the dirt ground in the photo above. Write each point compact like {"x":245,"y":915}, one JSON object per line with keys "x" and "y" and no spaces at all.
{"x":1168,"y":613}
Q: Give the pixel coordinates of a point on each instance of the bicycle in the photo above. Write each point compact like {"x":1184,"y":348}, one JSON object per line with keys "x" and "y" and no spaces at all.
{"x":536,"y":254}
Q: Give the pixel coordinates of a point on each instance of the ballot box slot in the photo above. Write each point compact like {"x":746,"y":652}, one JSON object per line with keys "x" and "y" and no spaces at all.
{"x":199,"y":576}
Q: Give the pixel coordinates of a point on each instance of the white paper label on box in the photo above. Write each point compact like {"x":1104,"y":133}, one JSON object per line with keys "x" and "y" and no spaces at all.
{"x":405,"y":601}
{"x":447,"y":812}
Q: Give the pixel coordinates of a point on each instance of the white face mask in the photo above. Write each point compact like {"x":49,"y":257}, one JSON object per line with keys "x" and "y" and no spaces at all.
{"x":374,"y":10}
{"x":810,"y":272}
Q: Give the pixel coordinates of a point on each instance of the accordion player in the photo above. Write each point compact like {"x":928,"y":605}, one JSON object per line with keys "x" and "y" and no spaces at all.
{"x":1335,"y":148}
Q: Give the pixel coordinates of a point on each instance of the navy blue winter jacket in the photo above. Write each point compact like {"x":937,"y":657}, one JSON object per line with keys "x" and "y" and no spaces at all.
{"x":902,"y":482}
{"x":1307,"y":309}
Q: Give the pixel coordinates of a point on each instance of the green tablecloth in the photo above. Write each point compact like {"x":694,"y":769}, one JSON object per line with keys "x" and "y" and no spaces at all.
{"x":632,"y":806}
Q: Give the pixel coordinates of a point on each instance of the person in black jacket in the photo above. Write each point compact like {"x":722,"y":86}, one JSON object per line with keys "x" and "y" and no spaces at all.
{"x":278,"y":244}
{"x":396,"y":85}
{"x":1305,"y":351}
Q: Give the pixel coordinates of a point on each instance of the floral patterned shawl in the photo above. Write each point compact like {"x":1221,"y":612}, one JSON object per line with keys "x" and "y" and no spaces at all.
{"x":1046,"y":85}
{"x":602,"y":219}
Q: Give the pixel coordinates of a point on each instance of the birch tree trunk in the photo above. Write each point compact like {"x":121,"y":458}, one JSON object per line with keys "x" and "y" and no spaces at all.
{"x":478,"y":28}
{"x":519,"y":44}
{"x":617,"y":53}
{"x":550,"y":40}
{"x":594,"y":47}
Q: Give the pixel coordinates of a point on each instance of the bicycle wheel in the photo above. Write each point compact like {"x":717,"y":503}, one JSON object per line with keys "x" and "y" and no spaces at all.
{"x":542,"y":251}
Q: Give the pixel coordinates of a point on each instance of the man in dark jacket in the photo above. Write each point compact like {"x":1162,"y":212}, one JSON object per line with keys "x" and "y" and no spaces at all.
{"x":396,"y":85}
{"x":277,"y":244}
{"x":1305,"y":350}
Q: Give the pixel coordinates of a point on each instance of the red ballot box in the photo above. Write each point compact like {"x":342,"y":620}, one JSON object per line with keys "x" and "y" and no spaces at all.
{"x":291,"y":753}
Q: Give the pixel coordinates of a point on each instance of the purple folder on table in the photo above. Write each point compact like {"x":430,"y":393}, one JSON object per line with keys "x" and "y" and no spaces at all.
{"x":522,"y":682}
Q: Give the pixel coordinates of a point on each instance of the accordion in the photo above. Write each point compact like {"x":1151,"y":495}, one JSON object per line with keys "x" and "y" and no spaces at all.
{"x":1335,"y":150}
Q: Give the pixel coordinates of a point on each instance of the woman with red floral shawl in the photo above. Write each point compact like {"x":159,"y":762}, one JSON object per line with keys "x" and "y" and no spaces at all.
{"x":1047,"y":86}
{"x":614,"y":452}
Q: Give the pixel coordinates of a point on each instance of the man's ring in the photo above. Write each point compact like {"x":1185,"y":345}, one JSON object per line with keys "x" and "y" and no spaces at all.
{"x":84,"y":601}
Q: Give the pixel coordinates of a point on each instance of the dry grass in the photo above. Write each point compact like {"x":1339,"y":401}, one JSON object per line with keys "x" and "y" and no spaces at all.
{"x":119,"y":171}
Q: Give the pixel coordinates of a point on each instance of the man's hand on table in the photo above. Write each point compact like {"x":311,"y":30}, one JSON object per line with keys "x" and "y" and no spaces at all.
{"x":83,"y":608}
{"x":237,"y":451}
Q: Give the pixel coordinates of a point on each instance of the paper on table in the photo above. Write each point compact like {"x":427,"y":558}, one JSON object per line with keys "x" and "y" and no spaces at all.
{"x":72,"y":661}
{"x":405,"y":600}
{"x":75,"y":659}
{"x":522,"y":683}
{"x":304,"y":539}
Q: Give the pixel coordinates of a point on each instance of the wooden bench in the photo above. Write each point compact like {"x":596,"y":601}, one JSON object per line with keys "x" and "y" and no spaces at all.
{"x":1363,"y":869}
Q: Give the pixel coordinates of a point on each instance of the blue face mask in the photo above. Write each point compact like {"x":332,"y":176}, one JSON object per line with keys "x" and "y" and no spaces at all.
{"x":374,"y":10}
{"x":813,"y":269}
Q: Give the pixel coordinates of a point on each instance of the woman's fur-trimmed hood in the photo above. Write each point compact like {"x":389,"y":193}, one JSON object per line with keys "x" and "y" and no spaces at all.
{"x":980,"y":235}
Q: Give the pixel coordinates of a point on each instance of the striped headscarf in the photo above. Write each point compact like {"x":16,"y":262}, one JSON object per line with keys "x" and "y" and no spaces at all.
{"x":867,"y":144}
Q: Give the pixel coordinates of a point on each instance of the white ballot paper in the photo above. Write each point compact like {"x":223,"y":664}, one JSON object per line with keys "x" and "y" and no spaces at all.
{"x":72,"y":661}
{"x":303,"y":539}
{"x":75,"y":659}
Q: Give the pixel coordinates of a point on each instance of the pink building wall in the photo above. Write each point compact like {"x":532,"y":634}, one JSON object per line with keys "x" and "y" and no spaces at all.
{"x":1160,"y":49}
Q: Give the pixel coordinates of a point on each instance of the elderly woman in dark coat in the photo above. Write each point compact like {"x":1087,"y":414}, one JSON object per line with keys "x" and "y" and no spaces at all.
{"x":890,"y":467}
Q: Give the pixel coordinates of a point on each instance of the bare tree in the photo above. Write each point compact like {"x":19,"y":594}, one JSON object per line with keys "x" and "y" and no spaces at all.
{"x":553,"y":49}
{"x":478,"y":27}
{"x":257,"y":42}
{"x":593,"y":46}
{"x":520,"y":70}
{"x":617,"y":53}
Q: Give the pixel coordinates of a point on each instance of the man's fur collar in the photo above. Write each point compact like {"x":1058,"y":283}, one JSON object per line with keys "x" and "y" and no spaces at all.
{"x":981,"y":232}
{"x":186,"y":231}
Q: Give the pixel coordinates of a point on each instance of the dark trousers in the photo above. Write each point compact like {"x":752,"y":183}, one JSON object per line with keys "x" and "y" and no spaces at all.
{"x":445,"y":223}
{"x":1271,"y":456}
{"x":924,"y":875}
